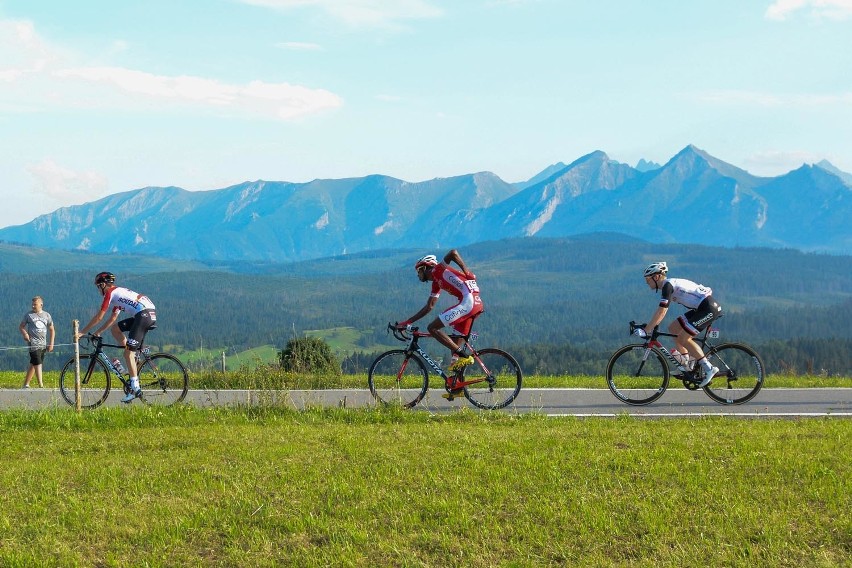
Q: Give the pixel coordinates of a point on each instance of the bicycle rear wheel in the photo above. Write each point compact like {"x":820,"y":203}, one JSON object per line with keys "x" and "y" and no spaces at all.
{"x":637,"y":374}
{"x":397,"y":377}
{"x":740,"y":376}
{"x":163,"y":379}
{"x":94,"y":382}
{"x":499,"y":377}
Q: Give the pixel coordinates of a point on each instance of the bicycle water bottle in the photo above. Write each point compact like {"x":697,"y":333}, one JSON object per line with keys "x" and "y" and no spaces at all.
{"x":118,"y":366}
{"x":684,"y":359}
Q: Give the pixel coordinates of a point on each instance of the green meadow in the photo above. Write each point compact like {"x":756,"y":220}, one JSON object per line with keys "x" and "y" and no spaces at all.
{"x":269,"y":376}
{"x":268,"y":486}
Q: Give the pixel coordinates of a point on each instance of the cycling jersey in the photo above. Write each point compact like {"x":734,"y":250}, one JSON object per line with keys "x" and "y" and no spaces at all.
{"x":126,"y":300}
{"x":466,"y":290}
{"x":456,"y":283}
{"x":684,"y":292}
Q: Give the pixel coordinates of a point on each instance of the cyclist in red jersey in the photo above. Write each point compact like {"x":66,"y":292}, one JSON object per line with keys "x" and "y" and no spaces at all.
{"x":462,"y":285}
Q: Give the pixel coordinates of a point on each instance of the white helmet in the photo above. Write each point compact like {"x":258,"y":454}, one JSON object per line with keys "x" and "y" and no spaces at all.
{"x":656,"y":268}
{"x":428,"y":260}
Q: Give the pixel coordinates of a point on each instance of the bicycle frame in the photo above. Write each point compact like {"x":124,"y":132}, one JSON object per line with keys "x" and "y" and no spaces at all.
{"x":414,"y":347}
{"x":99,"y":353}
{"x":688,"y":376}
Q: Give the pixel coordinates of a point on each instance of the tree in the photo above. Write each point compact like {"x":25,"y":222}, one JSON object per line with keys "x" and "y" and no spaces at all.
{"x":308,"y":355}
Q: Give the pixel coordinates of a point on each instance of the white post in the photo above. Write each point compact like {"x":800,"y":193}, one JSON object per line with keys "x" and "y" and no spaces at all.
{"x":78,"y":404}
{"x":223,"y":361}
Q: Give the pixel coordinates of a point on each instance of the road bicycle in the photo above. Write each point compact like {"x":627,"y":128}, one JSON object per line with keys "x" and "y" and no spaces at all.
{"x":639,"y":373}
{"x":162,"y":377}
{"x":400,"y":376}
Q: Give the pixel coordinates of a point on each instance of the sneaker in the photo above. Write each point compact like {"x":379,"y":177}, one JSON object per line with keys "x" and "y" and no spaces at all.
{"x":461,"y":363}
{"x":708,"y":376}
{"x":25,"y":387}
{"x":128,"y":398}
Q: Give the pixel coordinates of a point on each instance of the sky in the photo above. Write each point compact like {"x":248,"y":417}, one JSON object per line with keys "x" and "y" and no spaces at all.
{"x":99,"y":97}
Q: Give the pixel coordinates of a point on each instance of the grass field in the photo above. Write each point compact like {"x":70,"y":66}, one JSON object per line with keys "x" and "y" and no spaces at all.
{"x":272,"y":487}
{"x":271,"y":377}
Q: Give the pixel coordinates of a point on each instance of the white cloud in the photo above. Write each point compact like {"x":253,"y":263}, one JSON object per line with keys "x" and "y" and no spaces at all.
{"x":40,"y":75}
{"x":280,"y":100}
{"x":67,"y":186}
{"x":22,"y":51}
{"x":361,"y":13}
{"x":819,"y":9}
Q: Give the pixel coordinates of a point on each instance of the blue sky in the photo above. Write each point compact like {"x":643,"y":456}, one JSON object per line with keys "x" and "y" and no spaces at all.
{"x":99,"y":97}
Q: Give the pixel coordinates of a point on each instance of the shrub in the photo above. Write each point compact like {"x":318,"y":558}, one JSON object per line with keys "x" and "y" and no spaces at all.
{"x":308,"y":355}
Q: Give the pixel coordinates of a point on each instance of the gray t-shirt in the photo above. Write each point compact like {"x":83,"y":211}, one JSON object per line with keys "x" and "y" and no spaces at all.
{"x":37,"y":325}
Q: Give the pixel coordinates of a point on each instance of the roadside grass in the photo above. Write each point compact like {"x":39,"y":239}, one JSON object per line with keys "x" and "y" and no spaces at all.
{"x":272,"y":377}
{"x":269,"y":486}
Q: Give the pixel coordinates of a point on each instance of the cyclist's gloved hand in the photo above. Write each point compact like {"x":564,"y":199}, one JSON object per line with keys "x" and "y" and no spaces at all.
{"x":639,"y":332}
{"x":406,"y":325}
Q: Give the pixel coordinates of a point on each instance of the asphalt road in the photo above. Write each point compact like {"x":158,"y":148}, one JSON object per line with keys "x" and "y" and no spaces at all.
{"x":553,"y":402}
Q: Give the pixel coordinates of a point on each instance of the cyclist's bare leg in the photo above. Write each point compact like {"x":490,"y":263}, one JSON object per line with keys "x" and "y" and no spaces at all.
{"x":129,"y":357}
{"x":436,"y":329}
{"x":683,"y":341}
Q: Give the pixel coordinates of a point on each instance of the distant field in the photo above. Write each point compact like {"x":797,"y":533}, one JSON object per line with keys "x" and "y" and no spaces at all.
{"x":271,"y":487}
{"x":342,"y":340}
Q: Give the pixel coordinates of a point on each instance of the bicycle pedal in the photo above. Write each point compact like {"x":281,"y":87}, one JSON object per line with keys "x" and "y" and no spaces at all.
{"x":453,"y":394}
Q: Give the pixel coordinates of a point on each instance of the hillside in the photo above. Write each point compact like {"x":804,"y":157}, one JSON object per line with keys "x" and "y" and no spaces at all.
{"x":693,"y":198}
{"x":536,"y":291}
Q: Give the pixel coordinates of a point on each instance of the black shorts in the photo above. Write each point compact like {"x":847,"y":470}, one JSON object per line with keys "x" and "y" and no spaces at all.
{"x":37,"y":356}
{"x":138,"y":326}
{"x":698,"y":319}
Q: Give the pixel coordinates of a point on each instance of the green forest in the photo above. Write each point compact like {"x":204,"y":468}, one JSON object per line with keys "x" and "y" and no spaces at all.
{"x":560,"y":305}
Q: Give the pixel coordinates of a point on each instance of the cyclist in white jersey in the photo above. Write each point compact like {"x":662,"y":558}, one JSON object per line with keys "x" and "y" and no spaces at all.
{"x":143,"y":318}
{"x":702,"y":310}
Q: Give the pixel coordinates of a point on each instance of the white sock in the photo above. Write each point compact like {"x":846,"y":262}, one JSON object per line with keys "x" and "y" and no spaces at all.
{"x":134,"y":383}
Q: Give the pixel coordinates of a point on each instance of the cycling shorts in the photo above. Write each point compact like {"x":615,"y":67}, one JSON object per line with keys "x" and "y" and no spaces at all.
{"x":460,"y":317}
{"x":696,"y":320}
{"x":138,"y":326}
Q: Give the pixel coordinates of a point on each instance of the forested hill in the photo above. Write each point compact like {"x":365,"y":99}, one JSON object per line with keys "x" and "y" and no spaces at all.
{"x":579,"y":291}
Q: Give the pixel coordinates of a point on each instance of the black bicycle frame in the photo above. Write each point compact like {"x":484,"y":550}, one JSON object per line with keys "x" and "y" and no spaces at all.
{"x":651,"y":341}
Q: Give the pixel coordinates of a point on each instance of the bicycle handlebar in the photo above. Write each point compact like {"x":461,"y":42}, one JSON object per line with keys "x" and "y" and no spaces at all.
{"x":98,"y":341}
{"x":401,"y":334}
{"x":634,"y":326}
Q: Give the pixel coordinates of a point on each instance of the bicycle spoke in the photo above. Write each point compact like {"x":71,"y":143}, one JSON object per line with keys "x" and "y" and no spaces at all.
{"x":496,"y":379}
{"x":398,"y":378}
{"x":94,"y":382}
{"x":637,"y":374}
{"x":163,"y":379}
{"x":740,"y":375}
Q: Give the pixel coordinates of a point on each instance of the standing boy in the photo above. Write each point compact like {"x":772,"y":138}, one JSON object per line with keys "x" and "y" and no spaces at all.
{"x":35,"y":327}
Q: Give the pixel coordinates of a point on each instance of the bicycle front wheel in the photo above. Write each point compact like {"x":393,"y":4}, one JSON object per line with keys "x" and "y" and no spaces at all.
{"x":498,"y":379}
{"x":94,"y":382}
{"x":398,"y":377}
{"x":637,"y":374}
{"x":163,"y":379}
{"x":740,"y":376}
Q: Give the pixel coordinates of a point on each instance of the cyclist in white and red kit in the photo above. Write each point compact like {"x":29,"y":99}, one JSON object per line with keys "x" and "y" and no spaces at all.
{"x":143,"y":317}
{"x":460,"y":284}
{"x":702,"y":310}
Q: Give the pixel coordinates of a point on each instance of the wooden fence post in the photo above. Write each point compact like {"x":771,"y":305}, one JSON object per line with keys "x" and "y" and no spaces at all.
{"x":78,"y":405}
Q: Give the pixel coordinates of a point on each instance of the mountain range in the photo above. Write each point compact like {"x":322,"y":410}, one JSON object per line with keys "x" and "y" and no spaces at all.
{"x":693,"y":198}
